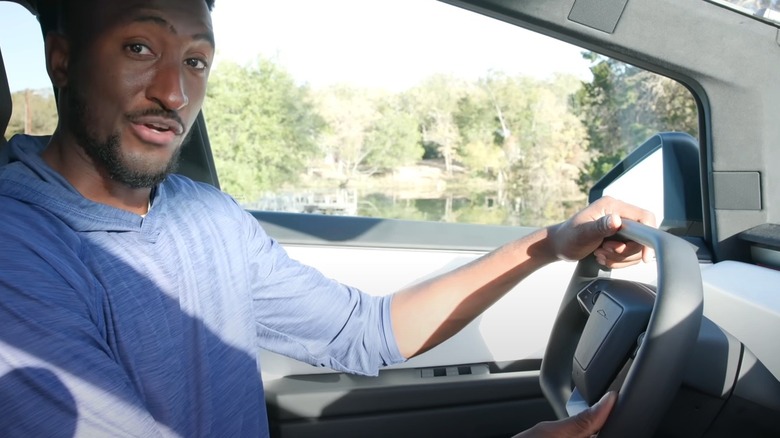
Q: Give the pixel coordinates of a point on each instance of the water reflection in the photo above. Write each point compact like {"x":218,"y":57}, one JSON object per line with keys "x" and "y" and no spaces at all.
{"x":476,"y":208}
{"x":485,"y":207}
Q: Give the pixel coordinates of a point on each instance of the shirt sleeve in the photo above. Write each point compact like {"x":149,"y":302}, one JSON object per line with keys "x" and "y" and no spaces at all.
{"x":57,"y":377}
{"x":302,"y":314}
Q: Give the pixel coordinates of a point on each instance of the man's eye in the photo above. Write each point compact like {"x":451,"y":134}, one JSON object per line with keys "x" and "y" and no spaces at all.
{"x":138,"y":49}
{"x":197,"y":64}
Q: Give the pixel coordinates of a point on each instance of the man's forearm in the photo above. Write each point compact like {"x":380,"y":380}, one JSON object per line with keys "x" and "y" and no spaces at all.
{"x":428,"y":313}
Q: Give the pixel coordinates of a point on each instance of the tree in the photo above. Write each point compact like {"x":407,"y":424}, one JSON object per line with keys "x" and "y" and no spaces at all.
{"x":522,"y":130}
{"x":435,"y":102}
{"x":366,"y":131}
{"x":552,"y":155}
{"x":622,"y":107}
{"x":348,"y":114}
{"x":393,"y":139}
{"x":34,"y":112}
{"x":480,"y":148}
{"x":263,"y":127}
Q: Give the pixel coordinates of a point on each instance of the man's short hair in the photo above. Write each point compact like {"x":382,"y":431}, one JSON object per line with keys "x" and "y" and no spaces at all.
{"x":54,"y":14}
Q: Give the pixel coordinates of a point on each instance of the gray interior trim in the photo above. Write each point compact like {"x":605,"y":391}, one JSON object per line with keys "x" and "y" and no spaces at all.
{"x":197,"y":161}
{"x":333,"y":395}
{"x":742,"y":299}
{"x":402,"y":402}
{"x":737,"y":190}
{"x":712,"y":368}
{"x":601,"y":15}
{"x":6,"y":105}
{"x":756,"y":383}
{"x":502,"y":419}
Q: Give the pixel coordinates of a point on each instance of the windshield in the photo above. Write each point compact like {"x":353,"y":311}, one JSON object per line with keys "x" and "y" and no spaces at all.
{"x":766,"y":10}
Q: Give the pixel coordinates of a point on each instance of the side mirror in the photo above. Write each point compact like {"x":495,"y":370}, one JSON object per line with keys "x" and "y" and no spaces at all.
{"x":662,"y":175}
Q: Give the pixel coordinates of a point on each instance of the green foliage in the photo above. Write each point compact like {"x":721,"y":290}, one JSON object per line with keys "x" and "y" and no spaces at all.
{"x":367,"y":132}
{"x":480,"y":148}
{"x":521,"y":132}
{"x":393,"y":139}
{"x":434,"y":103}
{"x":263,"y":127}
{"x":348,"y":113}
{"x":597,"y":167}
{"x":622,"y":107}
{"x":34,"y":110}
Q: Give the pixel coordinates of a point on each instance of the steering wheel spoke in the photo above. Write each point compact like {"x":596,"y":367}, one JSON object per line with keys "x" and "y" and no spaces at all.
{"x":619,"y":311}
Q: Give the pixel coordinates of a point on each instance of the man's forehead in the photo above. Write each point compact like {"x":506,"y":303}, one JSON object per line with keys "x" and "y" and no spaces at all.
{"x":185,"y":16}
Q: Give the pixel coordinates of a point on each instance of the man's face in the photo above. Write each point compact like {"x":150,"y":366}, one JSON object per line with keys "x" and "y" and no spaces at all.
{"x":136,"y":82}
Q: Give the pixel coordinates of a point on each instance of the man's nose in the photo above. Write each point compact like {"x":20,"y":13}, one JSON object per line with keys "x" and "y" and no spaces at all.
{"x":167,"y":87}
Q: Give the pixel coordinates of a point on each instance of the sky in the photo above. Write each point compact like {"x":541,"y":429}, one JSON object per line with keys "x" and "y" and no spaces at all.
{"x":391,"y":44}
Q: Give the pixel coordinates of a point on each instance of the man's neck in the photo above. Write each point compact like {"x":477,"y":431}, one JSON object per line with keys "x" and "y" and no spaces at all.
{"x":91,"y":180}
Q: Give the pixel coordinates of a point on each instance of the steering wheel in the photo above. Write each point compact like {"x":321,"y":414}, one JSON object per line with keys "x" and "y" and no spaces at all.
{"x":625,"y":336}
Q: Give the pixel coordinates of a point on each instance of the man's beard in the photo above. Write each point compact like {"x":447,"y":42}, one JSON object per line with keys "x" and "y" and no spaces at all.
{"x":128,"y":170}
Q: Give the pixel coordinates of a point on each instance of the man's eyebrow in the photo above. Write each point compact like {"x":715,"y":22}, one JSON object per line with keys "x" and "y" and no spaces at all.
{"x":204,"y":36}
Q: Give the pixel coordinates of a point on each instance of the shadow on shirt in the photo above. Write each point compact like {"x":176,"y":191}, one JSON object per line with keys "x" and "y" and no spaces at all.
{"x":128,"y":361}
{"x":23,"y":392}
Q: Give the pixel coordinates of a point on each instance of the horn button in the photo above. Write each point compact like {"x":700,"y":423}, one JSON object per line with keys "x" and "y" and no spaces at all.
{"x":619,"y":312}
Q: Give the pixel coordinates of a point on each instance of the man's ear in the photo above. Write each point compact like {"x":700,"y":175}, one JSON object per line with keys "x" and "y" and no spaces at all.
{"x":57,"y":58}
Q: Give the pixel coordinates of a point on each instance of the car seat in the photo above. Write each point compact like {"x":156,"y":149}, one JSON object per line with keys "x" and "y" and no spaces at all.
{"x":5,"y":103}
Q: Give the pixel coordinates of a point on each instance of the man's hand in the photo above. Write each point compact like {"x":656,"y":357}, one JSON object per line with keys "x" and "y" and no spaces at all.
{"x":584,"y":233}
{"x":582,"y":425}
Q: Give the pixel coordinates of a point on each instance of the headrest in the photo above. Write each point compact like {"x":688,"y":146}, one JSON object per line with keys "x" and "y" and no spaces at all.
{"x":5,"y":98}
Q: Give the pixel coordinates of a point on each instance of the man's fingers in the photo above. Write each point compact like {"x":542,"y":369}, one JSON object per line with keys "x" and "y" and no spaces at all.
{"x":586,"y":232}
{"x":582,"y":425}
{"x":613,"y":253}
{"x":596,"y":416}
{"x":648,"y":254}
{"x":637,"y":214}
{"x":628,"y":211}
{"x":592,"y":420}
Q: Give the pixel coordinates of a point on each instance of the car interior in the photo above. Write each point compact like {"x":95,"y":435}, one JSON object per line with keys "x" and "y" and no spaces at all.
{"x":5,"y":101}
{"x":690,"y":349}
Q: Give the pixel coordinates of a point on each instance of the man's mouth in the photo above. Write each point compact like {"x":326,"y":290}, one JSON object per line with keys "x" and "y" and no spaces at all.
{"x":157,"y":130}
{"x":157,"y":127}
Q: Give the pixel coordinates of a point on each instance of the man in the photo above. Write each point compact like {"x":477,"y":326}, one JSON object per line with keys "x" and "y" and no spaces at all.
{"x":133,"y":300}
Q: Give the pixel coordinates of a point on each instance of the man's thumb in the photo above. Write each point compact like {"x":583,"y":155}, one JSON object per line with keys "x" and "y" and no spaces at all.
{"x":592,"y":420}
{"x":608,"y":224}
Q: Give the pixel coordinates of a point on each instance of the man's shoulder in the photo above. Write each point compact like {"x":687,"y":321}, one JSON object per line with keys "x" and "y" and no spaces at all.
{"x":21,"y":144}
{"x":188,"y":185}
{"x":18,"y":217}
{"x":205,"y":196}
{"x":29,"y":229}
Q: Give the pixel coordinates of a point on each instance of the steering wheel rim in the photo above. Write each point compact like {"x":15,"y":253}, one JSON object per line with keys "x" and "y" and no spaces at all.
{"x":654,"y":376}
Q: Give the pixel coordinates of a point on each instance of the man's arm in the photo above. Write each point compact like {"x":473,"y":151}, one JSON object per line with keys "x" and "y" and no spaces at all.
{"x":428,"y":313}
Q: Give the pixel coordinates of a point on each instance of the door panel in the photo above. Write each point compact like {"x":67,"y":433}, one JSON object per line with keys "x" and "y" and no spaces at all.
{"x":481,"y":382}
{"x":397,"y":403}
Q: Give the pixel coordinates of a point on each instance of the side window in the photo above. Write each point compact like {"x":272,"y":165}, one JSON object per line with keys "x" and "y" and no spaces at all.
{"x":420,"y":110}
{"x":34,"y":109}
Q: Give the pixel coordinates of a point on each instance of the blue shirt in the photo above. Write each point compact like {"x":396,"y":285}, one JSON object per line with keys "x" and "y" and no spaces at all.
{"x":116,"y":325}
